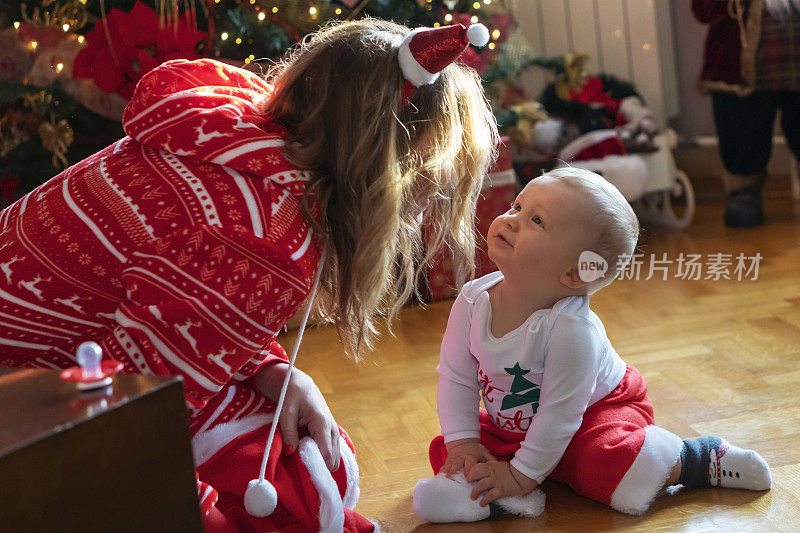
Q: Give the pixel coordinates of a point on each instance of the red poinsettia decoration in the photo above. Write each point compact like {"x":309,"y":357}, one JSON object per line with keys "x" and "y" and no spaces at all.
{"x":123,"y":47}
{"x":592,"y":93}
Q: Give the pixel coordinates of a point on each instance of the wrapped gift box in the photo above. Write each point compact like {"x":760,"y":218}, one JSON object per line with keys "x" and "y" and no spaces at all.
{"x":499,"y":189}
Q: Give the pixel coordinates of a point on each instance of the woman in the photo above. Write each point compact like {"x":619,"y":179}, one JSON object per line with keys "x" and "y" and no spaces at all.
{"x":186,"y":246}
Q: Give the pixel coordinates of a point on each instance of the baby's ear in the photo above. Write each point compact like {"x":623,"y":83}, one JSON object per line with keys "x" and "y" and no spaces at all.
{"x":572,"y":279}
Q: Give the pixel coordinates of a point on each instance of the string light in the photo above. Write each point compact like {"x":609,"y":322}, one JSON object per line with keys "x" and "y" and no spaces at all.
{"x":473,"y":19}
{"x":448,"y":17}
{"x":252,"y":2}
{"x":238,"y":40}
{"x":312,"y":10}
{"x":224,"y":36}
{"x":476,"y":5}
{"x":251,"y":57}
{"x":65,"y":27}
{"x":262,"y":16}
{"x":487,"y":2}
{"x":275,"y":9}
{"x":34,"y":44}
{"x":16,"y":25}
{"x":338,"y":11}
{"x":496,"y":34}
{"x":60,"y":67}
{"x":491,"y":46}
{"x":81,"y":38}
{"x":436,"y":24}
{"x":246,"y":60}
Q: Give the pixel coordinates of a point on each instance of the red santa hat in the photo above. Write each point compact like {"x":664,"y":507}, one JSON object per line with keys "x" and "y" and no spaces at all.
{"x":426,"y":51}
{"x":602,"y":151}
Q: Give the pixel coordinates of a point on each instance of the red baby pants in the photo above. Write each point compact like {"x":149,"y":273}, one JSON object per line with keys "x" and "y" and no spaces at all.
{"x":617,"y":456}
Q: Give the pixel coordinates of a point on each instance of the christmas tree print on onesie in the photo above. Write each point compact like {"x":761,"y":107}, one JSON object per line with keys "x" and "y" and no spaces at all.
{"x":523,"y":392}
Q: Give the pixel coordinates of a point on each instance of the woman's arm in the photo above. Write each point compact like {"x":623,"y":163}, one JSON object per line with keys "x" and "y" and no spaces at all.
{"x":303,"y":406}
{"x":190,"y":311}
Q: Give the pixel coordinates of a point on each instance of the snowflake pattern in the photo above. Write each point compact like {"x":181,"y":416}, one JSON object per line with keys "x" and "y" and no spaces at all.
{"x":72,"y":247}
{"x":255,"y":165}
{"x":272,"y":159}
{"x":221,"y":186}
{"x":64,"y":237}
{"x":235,"y":214}
{"x":84,"y":259}
{"x":55,"y":229}
{"x":99,"y":270}
{"x":229,"y":199}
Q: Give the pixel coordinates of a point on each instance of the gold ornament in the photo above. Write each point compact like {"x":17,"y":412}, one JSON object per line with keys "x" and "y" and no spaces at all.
{"x":529,"y":113}
{"x":574,"y":75}
{"x":56,"y":137}
{"x":67,"y":15}
{"x":35,"y":101}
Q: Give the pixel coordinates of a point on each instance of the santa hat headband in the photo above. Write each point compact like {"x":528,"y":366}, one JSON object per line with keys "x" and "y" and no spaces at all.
{"x":426,"y":51}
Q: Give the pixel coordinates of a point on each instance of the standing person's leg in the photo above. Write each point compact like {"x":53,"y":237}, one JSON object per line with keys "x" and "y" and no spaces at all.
{"x":744,"y":129}
{"x":790,"y":120}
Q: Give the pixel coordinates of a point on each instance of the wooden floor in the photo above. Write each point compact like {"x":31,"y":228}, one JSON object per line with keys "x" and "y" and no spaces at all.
{"x":720,"y":357}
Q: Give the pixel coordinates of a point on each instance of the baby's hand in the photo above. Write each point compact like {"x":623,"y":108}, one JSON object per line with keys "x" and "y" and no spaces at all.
{"x":464,"y":453}
{"x":499,"y":479}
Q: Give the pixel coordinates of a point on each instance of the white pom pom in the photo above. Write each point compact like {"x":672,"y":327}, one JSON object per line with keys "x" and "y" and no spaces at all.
{"x":260,"y":498}
{"x":478,"y":34}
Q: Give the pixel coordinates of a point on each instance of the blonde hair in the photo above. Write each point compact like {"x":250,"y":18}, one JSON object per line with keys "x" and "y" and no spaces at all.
{"x":338,"y":95}
{"x":616,"y":227}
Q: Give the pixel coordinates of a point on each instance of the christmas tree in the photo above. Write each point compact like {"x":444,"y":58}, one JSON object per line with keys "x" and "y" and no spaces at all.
{"x":523,"y":391}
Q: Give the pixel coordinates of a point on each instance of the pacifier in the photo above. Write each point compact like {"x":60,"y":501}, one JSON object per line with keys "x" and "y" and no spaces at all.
{"x":93,"y":373}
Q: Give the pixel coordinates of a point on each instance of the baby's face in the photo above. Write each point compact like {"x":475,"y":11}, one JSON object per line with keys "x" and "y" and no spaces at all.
{"x":542,"y":234}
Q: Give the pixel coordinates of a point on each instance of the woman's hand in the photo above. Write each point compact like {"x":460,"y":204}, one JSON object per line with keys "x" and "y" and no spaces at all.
{"x":464,"y":453}
{"x":499,"y":479}
{"x":304,"y":405}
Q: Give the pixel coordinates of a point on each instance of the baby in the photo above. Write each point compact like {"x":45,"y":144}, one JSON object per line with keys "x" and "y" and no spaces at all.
{"x":559,"y":401}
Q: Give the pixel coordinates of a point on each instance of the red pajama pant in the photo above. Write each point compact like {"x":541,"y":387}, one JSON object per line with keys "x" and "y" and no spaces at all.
{"x":617,"y":456}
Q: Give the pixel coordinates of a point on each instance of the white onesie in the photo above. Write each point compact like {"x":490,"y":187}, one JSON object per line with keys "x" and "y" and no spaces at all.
{"x":538,"y":379}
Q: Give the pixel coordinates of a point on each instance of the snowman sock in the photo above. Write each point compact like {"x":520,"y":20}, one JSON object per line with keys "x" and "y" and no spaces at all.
{"x":695,"y":457}
{"x":713,"y":461}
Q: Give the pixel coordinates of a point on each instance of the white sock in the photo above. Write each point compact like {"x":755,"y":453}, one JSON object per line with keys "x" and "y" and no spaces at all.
{"x":733,"y":467}
{"x":441,"y":499}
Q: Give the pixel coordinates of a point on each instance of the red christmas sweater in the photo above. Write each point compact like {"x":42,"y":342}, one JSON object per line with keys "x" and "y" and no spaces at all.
{"x":181,"y":249}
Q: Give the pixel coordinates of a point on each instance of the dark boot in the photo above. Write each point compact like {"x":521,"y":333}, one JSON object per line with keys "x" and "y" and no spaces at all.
{"x":744,"y":208}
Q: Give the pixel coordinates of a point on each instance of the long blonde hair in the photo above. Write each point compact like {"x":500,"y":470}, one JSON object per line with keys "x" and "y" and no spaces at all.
{"x":338,"y":95}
